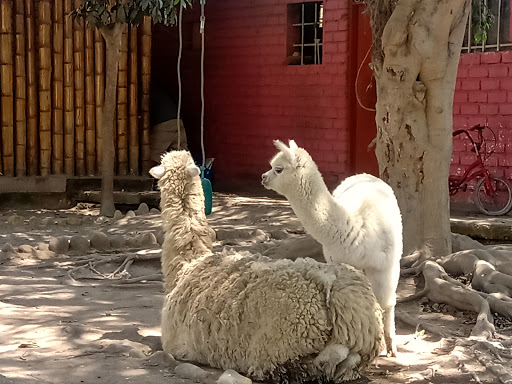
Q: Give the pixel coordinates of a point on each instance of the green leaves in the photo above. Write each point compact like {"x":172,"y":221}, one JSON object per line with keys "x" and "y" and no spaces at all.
{"x":481,"y":20}
{"x":106,"y":13}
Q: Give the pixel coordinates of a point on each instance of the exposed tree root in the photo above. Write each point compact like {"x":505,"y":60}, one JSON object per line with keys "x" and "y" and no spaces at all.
{"x":417,"y":323}
{"x":441,"y":288}
{"x":486,"y":267}
{"x":87,"y":268}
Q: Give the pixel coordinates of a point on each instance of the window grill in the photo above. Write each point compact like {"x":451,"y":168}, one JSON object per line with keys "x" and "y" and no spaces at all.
{"x":498,"y":36}
{"x":305,"y":42}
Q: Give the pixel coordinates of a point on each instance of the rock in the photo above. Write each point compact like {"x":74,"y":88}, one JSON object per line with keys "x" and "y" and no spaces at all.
{"x":5,"y":380}
{"x":43,"y":255}
{"x":33,"y":222}
{"x":117,"y":242}
{"x":136,"y":354}
{"x":8,"y":248}
{"x":100,"y":241}
{"x":130,"y":213}
{"x":43,"y":247}
{"x":62,"y":222}
{"x":87,"y":220}
{"x":280,"y":234}
{"x":117,"y":348}
{"x":294,"y":248}
{"x":15,"y":220}
{"x":142,"y":210}
{"x":225,"y":234}
{"x":133,"y":241}
{"x":154,"y":211}
{"x":74,"y":221}
{"x":258,"y":235}
{"x":233,"y":377}
{"x":147,"y":239}
{"x":190,"y":371}
{"x":45,"y":222}
{"x":213,"y":234}
{"x":25,"y":248}
{"x":101,"y":220}
{"x":79,"y":243}
{"x":160,"y":236}
{"x":118,"y":215}
{"x":162,"y":359}
{"x":8,"y":252}
{"x":59,"y":244}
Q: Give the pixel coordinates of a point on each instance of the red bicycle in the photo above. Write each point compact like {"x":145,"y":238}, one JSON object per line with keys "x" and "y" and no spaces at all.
{"x":493,"y":194}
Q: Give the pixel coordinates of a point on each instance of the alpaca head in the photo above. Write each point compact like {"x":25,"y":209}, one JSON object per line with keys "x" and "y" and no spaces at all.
{"x":176,"y":169}
{"x":178,"y":178}
{"x":291,"y":167}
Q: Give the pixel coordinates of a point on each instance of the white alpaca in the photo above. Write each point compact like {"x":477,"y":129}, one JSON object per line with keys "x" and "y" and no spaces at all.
{"x":359,"y":224}
{"x":280,"y":320}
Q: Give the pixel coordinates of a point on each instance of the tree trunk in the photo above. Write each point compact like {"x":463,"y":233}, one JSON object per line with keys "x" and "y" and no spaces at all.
{"x":416,"y":54}
{"x":112,"y":52}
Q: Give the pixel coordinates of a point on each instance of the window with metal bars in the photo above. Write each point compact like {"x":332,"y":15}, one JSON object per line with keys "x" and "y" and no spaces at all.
{"x":498,"y":35}
{"x":305,"y":33}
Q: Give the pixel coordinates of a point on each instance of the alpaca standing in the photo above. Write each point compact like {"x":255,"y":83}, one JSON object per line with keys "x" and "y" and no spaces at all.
{"x":280,"y":320}
{"x":359,"y":224}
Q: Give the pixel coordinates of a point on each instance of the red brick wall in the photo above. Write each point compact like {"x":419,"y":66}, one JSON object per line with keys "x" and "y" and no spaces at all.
{"x":253,"y":97}
{"x":483,"y":95}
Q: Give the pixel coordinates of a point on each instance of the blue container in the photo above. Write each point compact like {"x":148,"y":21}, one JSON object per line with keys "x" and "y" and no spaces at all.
{"x":208,"y":192}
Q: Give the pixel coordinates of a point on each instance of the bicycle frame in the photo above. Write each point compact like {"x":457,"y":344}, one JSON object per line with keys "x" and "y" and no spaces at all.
{"x":477,"y":168}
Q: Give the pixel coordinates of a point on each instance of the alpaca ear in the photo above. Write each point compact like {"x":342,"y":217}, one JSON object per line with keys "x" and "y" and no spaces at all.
{"x":157,"y":172}
{"x":283,"y":148}
{"x":293,"y":145}
{"x":193,"y":170}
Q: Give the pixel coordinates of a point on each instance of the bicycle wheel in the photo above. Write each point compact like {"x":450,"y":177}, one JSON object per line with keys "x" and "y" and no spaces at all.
{"x":497,"y":204}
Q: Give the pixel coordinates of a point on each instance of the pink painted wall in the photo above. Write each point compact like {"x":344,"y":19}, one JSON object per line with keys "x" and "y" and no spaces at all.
{"x":253,"y":97}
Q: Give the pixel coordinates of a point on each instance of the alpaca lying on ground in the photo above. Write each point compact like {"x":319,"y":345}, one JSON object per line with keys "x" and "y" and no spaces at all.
{"x":359,"y":224}
{"x":280,"y":320}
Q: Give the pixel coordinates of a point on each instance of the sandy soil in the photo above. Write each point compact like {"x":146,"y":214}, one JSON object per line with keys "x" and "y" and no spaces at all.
{"x":54,"y":329}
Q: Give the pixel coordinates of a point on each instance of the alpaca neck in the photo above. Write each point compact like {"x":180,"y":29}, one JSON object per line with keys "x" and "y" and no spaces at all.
{"x":322,"y":217}
{"x":186,"y":230}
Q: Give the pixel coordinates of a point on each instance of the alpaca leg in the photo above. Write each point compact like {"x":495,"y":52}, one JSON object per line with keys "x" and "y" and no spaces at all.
{"x":329,"y":359}
{"x":384,"y":283}
{"x":388,"y":319}
{"x":347,"y":369}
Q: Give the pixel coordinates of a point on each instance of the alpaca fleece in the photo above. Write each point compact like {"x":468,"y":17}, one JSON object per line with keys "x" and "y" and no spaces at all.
{"x":287,"y":321}
{"x":359,"y":224}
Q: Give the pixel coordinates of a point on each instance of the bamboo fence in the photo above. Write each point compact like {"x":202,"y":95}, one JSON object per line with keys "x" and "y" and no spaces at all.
{"x":58,"y":88}
{"x":145,"y":90}
{"x":45,"y":83}
{"x":90,"y":107}
{"x":32,"y":97}
{"x":52,"y":83}
{"x":20,"y":90}
{"x":7,"y":87}
{"x":99,"y":91}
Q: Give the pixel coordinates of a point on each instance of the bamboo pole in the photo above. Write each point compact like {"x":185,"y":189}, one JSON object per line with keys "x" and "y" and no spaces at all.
{"x":146,"y":80}
{"x":20,"y":91}
{"x":99,"y":88}
{"x":122,"y":108}
{"x":133,"y":105}
{"x":32,"y":101}
{"x":79,"y":53}
{"x":69,"y":89}
{"x":58,"y":88}
{"x":45,"y":78}
{"x":90,"y":112}
{"x":7,"y":87}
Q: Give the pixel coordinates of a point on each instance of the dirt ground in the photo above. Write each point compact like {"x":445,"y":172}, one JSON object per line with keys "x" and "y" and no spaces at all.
{"x":63,"y":324}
